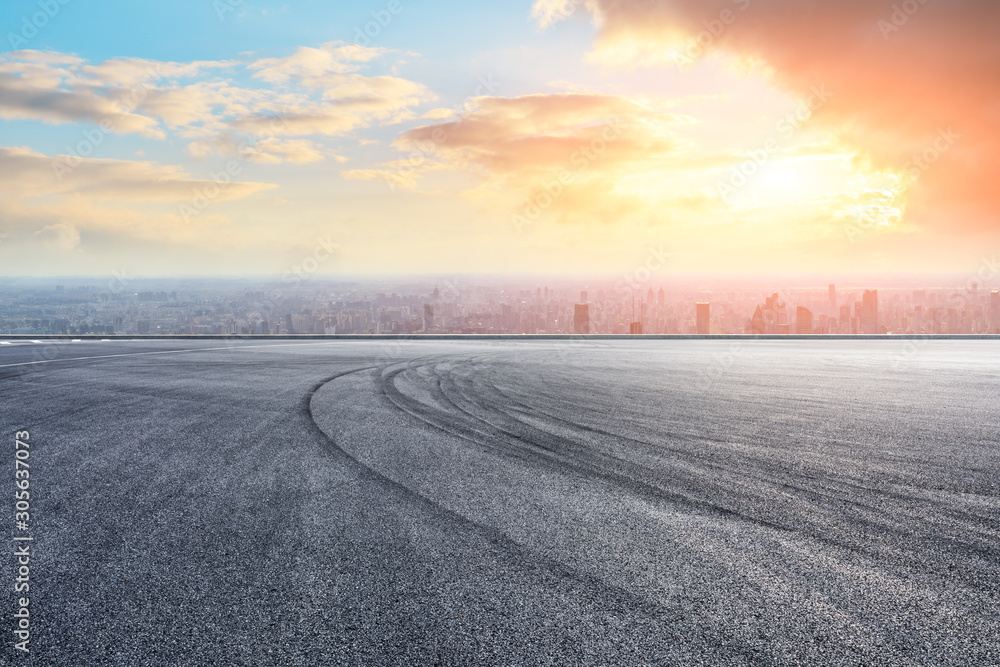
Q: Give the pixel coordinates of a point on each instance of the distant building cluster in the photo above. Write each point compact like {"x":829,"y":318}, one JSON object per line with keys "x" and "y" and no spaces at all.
{"x":138,"y":307}
{"x":861,"y":317}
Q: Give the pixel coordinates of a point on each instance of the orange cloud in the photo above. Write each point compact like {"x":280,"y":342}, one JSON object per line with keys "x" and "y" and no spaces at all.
{"x":580,"y":144}
{"x":913,"y":84}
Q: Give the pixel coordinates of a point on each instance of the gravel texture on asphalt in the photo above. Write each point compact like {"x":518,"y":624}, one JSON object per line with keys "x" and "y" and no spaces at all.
{"x":491,"y":502}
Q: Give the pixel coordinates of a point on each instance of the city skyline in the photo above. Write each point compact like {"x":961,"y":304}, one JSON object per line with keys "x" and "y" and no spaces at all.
{"x":140,"y":307}
{"x":546,"y":136}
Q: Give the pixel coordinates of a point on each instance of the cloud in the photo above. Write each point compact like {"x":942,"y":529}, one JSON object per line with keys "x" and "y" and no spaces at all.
{"x":109,"y":199}
{"x":205,"y":104}
{"x":584,"y":143}
{"x":44,"y":57}
{"x":271,"y":150}
{"x":59,"y":237}
{"x":315,"y":91}
{"x":128,"y":72}
{"x":439,"y":114}
{"x":525,"y":136}
{"x":71,"y":223}
{"x":25,"y":173}
{"x":299,"y":151}
{"x":51,"y":93}
{"x":313,"y":67}
{"x":395,"y":178}
{"x":328,"y":119}
{"x":348,"y":100}
{"x":398,"y":174}
{"x":898,"y":78}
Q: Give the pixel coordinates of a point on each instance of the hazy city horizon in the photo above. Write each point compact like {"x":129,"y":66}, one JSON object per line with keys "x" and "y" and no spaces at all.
{"x":638,"y":304}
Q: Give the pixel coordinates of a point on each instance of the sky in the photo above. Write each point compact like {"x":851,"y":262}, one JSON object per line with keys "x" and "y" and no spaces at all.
{"x":233,"y":137}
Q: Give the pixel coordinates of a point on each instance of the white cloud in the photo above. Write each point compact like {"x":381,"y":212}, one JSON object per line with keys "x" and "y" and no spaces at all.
{"x":315,"y":91}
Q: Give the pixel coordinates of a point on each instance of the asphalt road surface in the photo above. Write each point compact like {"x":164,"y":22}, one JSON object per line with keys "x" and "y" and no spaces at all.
{"x":542,"y":502}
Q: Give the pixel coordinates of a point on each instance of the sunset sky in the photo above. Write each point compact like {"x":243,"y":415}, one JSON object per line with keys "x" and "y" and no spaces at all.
{"x":738,"y":136}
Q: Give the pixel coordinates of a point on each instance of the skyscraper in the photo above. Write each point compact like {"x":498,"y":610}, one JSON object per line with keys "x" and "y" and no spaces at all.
{"x":428,"y":317}
{"x":581,"y":318}
{"x":994,"y":311}
{"x":869,"y":312}
{"x":758,"y":325}
{"x":703,"y":321}
{"x":833,"y":298}
{"x":845,"y":319}
{"x":635,"y":326}
{"x":803,"y":321}
{"x":583,"y":296}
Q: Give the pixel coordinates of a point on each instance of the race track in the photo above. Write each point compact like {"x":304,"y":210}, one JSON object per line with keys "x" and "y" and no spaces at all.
{"x":491,"y":502}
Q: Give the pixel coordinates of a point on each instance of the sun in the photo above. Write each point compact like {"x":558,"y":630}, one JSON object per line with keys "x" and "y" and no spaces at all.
{"x":783,"y":179}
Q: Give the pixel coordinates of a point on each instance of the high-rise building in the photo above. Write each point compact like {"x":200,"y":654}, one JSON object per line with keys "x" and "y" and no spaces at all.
{"x":635,"y":326}
{"x":993,"y":325}
{"x":583,"y":296}
{"x":661,"y":298}
{"x":702,"y":312}
{"x":833,"y":298}
{"x":803,"y":321}
{"x":428,"y":317}
{"x":758,"y":325}
{"x":581,"y":318}
{"x":869,"y":312}
{"x":845,"y":319}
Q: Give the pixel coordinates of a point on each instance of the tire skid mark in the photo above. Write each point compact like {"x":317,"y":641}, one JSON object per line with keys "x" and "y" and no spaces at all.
{"x":519,"y":555}
{"x":840,"y":489}
{"x":475,"y":422}
{"x":558,"y":459}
